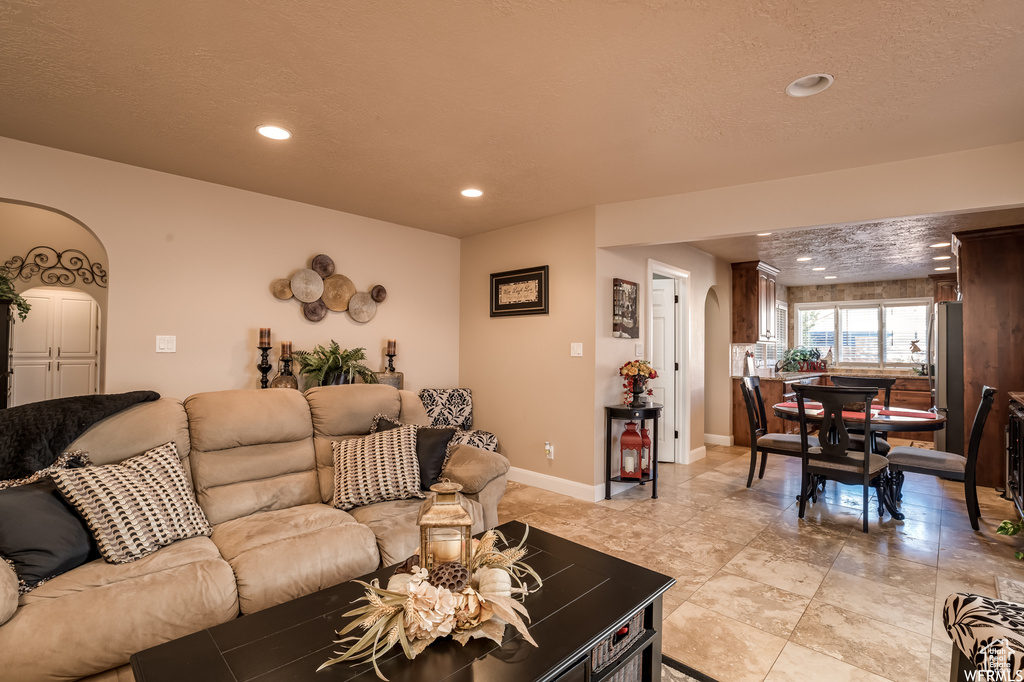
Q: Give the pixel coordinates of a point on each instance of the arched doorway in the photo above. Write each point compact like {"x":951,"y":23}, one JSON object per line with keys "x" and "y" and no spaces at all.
{"x":59,"y":265}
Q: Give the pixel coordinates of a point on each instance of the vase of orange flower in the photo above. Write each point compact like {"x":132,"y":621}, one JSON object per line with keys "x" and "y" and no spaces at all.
{"x":636,"y":374}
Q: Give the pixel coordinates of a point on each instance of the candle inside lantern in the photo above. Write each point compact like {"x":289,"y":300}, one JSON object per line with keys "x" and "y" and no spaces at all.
{"x":264,"y":337}
{"x":392,"y":344}
{"x":286,"y":349}
{"x":629,"y":463}
{"x":446,"y":545}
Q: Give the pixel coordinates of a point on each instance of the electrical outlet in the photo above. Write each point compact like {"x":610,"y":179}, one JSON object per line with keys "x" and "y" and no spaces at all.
{"x":549,"y":449}
{"x":166,"y":344}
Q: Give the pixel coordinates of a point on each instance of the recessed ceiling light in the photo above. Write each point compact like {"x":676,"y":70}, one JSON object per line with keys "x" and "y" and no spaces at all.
{"x":939,"y":245}
{"x":472,"y":193}
{"x":763,"y":234}
{"x":941,"y":257}
{"x":274,"y":132}
{"x":946,"y":267}
{"x":830,"y":276}
{"x":809,"y":85}
{"x":803,"y":260}
{"x":817,"y":269}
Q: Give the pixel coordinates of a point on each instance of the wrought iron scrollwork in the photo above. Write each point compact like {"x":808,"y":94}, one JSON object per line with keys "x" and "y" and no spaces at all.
{"x":65,"y":269}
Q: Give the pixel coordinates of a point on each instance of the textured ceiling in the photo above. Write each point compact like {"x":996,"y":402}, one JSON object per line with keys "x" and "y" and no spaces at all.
{"x":865,"y":252}
{"x":546,"y":105}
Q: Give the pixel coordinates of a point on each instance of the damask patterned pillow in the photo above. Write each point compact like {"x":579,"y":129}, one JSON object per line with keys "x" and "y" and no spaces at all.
{"x":376,"y":468}
{"x":449,"y":407}
{"x":485,"y":440}
{"x":137,"y":506}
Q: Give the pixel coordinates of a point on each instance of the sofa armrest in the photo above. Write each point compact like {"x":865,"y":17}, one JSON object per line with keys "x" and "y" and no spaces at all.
{"x":8,"y":592}
{"x":473,"y":468}
{"x":985,"y":631}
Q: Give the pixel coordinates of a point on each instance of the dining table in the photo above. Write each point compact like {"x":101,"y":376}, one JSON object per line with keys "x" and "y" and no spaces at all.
{"x":888,"y":420}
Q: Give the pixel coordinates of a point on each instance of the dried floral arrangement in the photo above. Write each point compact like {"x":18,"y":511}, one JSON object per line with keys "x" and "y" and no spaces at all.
{"x":638,"y":372}
{"x":418,"y":606}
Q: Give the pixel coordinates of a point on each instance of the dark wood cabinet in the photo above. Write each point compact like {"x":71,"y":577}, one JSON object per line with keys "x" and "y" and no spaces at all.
{"x":945,"y":287}
{"x":753,"y":302}
{"x":990,"y":264}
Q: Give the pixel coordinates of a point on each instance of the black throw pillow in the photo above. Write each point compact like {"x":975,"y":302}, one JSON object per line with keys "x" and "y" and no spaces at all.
{"x":40,"y":534}
{"x":431,"y":448}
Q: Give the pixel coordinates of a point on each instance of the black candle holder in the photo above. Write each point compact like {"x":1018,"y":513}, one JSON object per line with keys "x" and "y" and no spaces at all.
{"x":264,"y":365}
{"x":391,"y":361}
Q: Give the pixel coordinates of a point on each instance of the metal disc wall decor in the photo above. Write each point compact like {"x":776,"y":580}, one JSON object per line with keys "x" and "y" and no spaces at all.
{"x":362,"y":307}
{"x":338,"y":289}
{"x":320,"y":289}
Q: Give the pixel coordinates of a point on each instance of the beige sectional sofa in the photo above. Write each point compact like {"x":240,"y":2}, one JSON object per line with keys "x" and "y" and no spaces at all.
{"x":262,"y":469}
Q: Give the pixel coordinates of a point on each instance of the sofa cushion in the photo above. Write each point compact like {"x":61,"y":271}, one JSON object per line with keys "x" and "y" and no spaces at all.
{"x":252,"y":450}
{"x":394,"y":525}
{"x":135,"y":507}
{"x":41,"y":535}
{"x":431,"y":447}
{"x":93,"y":618}
{"x":286,"y":553}
{"x":449,"y":406}
{"x":8,"y":592}
{"x":376,"y":468}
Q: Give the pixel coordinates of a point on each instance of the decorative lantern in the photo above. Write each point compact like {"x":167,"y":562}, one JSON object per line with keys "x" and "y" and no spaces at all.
{"x":445,"y":527}
{"x":630,"y":449}
{"x":645,"y":452}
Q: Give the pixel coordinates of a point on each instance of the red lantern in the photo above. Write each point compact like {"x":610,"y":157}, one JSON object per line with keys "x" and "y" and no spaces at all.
{"x":645,"y":454}
{"x":630,"y":451}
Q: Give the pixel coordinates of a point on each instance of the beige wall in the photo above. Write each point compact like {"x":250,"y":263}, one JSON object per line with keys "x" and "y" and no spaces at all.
{"x":526,"y":387}
{"x":195,"y":260}
{"x":971,"y":180}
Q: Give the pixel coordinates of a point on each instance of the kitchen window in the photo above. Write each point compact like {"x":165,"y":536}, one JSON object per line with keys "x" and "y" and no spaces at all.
{"x":866,"y":333}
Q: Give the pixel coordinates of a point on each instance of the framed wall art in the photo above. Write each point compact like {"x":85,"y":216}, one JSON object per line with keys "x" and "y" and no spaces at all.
{"x":520,"y":292}
{"x":625,"y":318}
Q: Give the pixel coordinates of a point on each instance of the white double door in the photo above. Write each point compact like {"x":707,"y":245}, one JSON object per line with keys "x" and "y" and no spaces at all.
{"x":56,"y":349}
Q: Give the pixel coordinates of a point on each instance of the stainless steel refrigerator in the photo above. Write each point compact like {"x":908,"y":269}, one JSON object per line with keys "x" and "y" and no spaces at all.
{"x":946,"y":352}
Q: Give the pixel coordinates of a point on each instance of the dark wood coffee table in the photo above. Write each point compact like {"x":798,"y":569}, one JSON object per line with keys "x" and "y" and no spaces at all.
{"x":587,"y":596}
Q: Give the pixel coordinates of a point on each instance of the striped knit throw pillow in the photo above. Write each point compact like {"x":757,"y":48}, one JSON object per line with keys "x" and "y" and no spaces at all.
{"x":137,"y":506}
{"x":380,"y":467}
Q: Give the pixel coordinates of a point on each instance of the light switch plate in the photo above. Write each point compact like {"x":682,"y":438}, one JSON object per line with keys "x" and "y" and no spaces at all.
{"x":166,"y":344}
{"x":639,"y":349}
{"x":576,"y":350}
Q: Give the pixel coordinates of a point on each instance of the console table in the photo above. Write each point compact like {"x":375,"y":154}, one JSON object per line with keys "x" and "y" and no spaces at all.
{"x":650,"y":411}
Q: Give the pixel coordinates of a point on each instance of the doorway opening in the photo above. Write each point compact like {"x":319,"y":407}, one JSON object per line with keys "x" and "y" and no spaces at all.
{"x":668,"y":347}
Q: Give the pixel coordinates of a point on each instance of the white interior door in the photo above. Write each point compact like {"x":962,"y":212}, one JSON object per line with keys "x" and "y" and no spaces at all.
{"x":663,"y":359}
{"x":56,"y":349}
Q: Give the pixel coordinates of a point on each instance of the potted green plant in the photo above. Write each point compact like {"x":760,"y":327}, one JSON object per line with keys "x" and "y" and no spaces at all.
{"x":334,"y":365}
{"x":7,"y":293}
{"x":793,"y":357}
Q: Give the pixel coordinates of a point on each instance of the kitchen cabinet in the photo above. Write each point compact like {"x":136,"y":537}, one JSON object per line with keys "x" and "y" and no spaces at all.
{"x":773,"y":390}
{"x":990,"y":263}
{"x":753,"y":302}
{"x":944,"y":287}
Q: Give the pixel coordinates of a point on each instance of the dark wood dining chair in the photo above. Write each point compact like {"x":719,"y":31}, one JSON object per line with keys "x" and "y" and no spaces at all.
{"x":879,"y":443}
{"x":760,"y":440}
{"x":947,"y":464}
{"x":835,"y":457}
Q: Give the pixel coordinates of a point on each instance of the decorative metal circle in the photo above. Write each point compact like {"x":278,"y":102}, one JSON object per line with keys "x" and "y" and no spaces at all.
{"x":361,"y":307}
{"x":378,"y":293}
{"x":338,"y":289}
{"x":281,"y":288}
{"x":323,"y":266}
{"x":314,"y":311}
{"x":307,"y":286}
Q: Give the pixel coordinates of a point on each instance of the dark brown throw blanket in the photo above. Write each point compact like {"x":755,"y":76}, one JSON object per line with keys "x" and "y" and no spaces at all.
{"x":32,"y":436}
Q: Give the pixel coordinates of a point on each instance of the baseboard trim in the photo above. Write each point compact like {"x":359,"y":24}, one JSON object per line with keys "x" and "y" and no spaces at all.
{"x":696,"y":454}
{"x":715,"y":439}
{"x":581,"y":491}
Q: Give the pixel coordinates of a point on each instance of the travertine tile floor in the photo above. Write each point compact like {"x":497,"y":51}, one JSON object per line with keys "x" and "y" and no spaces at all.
{"x":762,"y":595}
